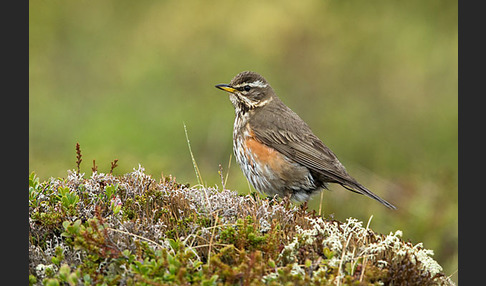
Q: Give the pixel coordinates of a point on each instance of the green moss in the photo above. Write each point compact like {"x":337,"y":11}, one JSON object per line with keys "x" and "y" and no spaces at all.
{"x":48,"y":219}
{"x":228,"y":235}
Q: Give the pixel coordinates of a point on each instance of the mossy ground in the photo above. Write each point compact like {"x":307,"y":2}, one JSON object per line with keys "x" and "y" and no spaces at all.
{"x":134,"y":230}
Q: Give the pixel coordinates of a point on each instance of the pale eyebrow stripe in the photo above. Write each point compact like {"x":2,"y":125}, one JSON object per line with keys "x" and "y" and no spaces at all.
{"x":257,"y":83}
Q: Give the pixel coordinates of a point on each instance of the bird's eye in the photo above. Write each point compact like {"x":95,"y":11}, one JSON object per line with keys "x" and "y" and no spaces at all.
{"x":247,"y":88}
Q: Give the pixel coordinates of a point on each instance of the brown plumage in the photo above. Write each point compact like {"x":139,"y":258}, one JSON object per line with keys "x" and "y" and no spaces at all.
{"x":276,"y":149}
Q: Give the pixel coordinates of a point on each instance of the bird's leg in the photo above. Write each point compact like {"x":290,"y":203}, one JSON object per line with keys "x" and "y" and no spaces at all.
{"x":303,"y":206}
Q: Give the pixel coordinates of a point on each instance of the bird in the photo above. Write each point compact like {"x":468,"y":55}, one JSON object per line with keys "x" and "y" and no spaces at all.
{"x":276,"y":150}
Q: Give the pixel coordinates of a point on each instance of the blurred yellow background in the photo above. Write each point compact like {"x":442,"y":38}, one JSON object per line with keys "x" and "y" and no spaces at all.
{"x":376,"y":81}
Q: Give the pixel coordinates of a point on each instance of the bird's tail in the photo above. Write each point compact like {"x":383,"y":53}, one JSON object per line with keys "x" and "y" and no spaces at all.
{"x":360,"y":189}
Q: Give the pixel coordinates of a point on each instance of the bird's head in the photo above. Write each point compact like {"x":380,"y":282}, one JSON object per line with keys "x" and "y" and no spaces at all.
{"x":248,"y":90}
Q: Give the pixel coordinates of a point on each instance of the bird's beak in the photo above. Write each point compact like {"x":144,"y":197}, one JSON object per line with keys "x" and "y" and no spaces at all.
{"x":226,"y":87}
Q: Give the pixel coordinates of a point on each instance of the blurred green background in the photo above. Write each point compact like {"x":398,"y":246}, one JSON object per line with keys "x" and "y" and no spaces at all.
{"x":376,"y":81}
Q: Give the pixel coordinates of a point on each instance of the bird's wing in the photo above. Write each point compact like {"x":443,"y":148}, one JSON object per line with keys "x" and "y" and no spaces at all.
{"x":306,"y":150}
{"x":292,"y":137}
{"x":295,"y":140}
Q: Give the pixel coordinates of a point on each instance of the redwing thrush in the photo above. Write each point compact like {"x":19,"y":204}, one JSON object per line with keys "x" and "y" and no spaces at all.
{"x":275,"y":148}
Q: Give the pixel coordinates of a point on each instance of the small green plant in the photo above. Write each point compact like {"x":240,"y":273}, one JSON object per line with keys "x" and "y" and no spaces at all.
{"x":72,"y":229}
{"x":34,"y":190}
{"x":110,"y":191}
{"x":64,"y":275}
{"x":32,"y":279}
{"x":59,"y":256}
{"x":69,"y":199}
